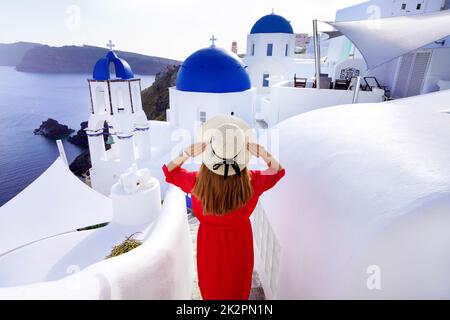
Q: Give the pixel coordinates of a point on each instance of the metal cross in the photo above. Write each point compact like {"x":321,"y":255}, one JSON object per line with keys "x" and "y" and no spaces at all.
{"x":110,"y":45}
{"x":213,"y":39}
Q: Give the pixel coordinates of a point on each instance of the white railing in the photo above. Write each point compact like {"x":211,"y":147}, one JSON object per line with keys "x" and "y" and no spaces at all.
{"x":267,"y":251}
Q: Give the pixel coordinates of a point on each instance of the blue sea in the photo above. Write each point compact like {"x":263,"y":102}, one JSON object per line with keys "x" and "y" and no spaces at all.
{"x":27,"y":99}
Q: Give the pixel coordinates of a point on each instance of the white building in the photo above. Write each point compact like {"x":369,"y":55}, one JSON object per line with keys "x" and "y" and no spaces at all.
{"x":423,"y":70}
{"x":211,"y":81}
{"x":415,"y":73}
{"x":273,"y":68}
{"x":117,"y":102}
{"x":270,"y":51}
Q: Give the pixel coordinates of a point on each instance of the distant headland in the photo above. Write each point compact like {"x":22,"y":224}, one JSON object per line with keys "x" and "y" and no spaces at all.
{"x":39,"y":58}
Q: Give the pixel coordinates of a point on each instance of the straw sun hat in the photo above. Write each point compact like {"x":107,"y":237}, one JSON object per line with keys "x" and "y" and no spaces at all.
{"x":226,"y":139}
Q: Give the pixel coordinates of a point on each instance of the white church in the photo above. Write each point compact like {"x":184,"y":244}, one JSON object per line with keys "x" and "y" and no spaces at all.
{"x":117,"y":102}
{"x":362,"y":133}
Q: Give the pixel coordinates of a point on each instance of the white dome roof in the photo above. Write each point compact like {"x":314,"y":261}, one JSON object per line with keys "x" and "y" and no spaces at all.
{"x":365,"y":184}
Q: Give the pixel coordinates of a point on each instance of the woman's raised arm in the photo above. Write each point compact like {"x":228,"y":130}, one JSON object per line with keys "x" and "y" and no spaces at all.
{"x":192,"y":151}
{"x":259,"y":151}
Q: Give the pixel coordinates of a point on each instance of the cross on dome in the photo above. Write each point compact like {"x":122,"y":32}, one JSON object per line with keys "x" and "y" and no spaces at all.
{"x":213,"y":40}
{"x":110,"y":45}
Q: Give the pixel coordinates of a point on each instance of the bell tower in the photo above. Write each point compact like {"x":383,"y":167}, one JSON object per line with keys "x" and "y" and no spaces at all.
{"x":116,"y":112}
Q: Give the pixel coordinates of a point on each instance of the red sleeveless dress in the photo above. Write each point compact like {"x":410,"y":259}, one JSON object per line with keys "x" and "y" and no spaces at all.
{"x":225,"y":243}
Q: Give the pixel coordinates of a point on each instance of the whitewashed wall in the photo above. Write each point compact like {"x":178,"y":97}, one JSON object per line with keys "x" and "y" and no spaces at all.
{"x":341,"y":47}
{"x":304,"y":68}
{"x":439,"y":69}
{"x":161,"y":268}
{"x":185,"y":107}
{"x":277,"y":65}
{"x":287,"y":101}
{"x":363,"y":211}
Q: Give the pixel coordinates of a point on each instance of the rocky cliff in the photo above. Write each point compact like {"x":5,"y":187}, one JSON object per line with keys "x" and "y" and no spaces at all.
{"x":80,"y":138}
{"x":155,"y":99}
{"x":11,"y":54}
{"x":82,"y":163}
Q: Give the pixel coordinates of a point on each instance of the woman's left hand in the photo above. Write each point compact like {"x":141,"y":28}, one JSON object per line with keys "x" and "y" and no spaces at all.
{"x":259,"y":151}
{"x":256,"y":149}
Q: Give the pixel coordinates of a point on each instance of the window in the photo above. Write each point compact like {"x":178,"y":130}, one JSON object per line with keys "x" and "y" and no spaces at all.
{"x":120,"y":100}
{"x":202,"y":116}
{"x":403,"y":6}
{"x":269,"y":49}
{"x":419,"y":5}
{"x":100,"y":101}
{"x":286,"y":51}
{"x":253,"y":49}
{"x":265,"y":80}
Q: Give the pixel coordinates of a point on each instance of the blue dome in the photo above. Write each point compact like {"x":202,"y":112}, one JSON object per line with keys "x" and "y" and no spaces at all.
{"x":272,"y":23}
{"x":212,"y":70}
{"x":101,"y":69}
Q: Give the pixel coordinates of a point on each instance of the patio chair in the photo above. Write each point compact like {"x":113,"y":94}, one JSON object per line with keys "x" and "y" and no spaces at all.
{"x":299,"y":82}
{"x":341,"y":84}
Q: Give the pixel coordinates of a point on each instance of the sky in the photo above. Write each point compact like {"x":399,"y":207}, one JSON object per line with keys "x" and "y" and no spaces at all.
{"x":165,"y":28}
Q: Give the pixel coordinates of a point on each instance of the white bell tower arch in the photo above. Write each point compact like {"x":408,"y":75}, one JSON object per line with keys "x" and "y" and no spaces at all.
{"x":117,"y":103}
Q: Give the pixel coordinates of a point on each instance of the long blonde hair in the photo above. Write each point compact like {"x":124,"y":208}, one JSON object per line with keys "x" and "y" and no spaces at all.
{"x":220,"y":196}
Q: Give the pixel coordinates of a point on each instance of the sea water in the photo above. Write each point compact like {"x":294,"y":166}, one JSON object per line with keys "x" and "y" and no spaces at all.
{"x":27,"y":99}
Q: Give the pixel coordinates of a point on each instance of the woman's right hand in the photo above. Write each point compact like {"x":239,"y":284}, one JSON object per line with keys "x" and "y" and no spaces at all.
{"x":195,"y":149}
{"x":259,"y":151}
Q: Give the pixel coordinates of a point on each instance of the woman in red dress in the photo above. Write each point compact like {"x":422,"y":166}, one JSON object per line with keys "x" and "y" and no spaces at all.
{"x":223,"y":205}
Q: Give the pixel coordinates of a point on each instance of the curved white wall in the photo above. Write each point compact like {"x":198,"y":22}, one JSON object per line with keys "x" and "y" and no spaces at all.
{"x":161,"y":268}
{"x":367,"y":190}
